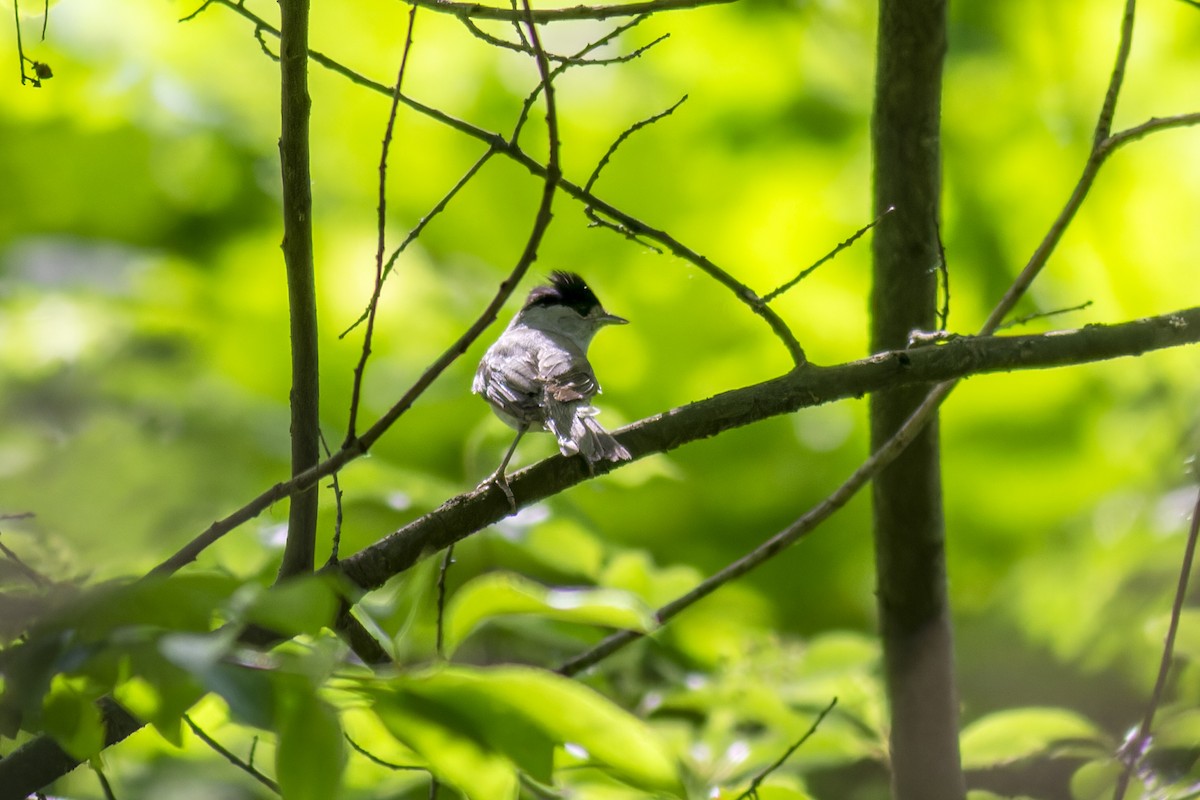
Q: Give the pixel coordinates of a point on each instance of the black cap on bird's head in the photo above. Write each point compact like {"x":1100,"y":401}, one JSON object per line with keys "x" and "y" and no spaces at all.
{"x":565,"y":289}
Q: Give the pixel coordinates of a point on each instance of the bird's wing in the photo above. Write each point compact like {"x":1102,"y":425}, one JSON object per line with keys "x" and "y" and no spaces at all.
{"x":566,"y":377}
{"x":508,"y":379}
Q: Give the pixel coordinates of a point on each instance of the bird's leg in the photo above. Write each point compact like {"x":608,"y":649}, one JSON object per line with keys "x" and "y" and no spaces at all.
{"x":498,"y":479}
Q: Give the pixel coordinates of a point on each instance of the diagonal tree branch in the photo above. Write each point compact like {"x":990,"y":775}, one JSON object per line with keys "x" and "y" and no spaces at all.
{"x":802,"y":388}
{"x":381,"y":235}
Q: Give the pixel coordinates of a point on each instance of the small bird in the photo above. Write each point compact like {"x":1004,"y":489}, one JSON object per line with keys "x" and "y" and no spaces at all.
{"x":537,"y":374}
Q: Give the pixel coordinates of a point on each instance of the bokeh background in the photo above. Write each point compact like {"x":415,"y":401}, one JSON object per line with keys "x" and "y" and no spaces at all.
{"x":144,"y":367}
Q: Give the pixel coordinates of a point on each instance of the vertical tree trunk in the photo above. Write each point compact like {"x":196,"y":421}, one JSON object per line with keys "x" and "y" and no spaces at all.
{"x":299,"y":552}
{"x":909,"y":528}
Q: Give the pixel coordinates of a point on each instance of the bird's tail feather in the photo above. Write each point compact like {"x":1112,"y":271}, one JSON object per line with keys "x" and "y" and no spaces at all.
{"x":583,"y":434}
{"x":598,"y":444}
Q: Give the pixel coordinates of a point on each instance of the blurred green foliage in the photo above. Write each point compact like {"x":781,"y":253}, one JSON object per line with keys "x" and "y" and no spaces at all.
{"x":144,"y":370}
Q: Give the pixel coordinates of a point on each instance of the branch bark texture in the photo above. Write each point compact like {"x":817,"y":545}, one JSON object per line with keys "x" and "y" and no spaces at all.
{"x":909,"y":528}
{"x":298,"y":555}
{"x":802,"y":388}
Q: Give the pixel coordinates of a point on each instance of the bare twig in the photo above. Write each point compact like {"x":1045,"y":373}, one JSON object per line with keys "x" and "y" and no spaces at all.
{"x":381,"y":244}
{"x":438,"y":208}
{"x":944,"y":271}
{"x":447,"y":560}
{"x":635,"y":127}
{"x":1152,"y":125}
{"x":367,"y":754}
{"x":827,"y":257}
{"x":35,"y":577}
{"x":751,"y":792}
{"x":478,"y":11}
{"x":339,"y":511}
{"x":531,"y":98}
{"x":1101,"y":149}
{"x":40,"y":70}
{"x":105,"y":786}
{"x":1012,"y":323}
{"x":200,"y":10}
{"x":561,"y":60}
{"x":1136,"y":745}
{"x":245,"y":766}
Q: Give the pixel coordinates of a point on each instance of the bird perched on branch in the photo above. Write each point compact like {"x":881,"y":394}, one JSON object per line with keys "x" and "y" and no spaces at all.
{"x":537,"y":374}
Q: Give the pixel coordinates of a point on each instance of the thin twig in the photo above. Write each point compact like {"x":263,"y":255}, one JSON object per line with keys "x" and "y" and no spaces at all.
{"x":1099,"y":153}
{"x":105,"y":786}
{"x":438,"y":208}
{"x":780,"y":541}
{"x":1152,"y":125}
{"x":381,"y":243}
{"x":35,"y":577}
{"x":826,"y":258}
{"x":637,"y":126}
{"x":447,"y":560}
{"x":479,"y":11}
{"x":338,"y":517}
{"x":245,"y":766}
{"x":197,"y":12}
{"x":562,"y":60}
{"x":381,"y":762}
{"x":943,"y":270}
{"x":1012,"y":323}
{"x":531,"y":98}
{"x":1136,"y":745}
{"x":751,"y":792}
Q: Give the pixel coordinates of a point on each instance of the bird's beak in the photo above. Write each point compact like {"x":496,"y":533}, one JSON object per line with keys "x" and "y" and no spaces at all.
{"x":611,"y":319}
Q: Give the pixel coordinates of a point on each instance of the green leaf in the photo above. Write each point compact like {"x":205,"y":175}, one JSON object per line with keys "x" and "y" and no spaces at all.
{"x":446,"y":742}
{"x":1007,"y":736}
{"x":1095,"y":780}
{"x":73,"y":720}
{"x":490,"y":723}
{"x":500,"y":593}
{"x":250,"y":693}
{"x":301,"y":605}
{"x":1178,"y":728}
{"x":311,"y":754}
{"x":563,"y":710}
{"x":158,"y":691}
{"x":181,"y":603}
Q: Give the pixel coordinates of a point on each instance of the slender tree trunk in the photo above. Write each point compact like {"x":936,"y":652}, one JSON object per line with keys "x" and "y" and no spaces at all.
{"x":298,"y":555}
{"x":909,"y":527}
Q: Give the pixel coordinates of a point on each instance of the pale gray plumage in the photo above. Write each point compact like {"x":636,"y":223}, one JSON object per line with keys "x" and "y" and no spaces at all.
{"x":537,"y":374}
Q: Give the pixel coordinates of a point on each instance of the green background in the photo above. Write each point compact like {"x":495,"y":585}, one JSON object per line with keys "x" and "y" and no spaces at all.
{"x":144,"y":365}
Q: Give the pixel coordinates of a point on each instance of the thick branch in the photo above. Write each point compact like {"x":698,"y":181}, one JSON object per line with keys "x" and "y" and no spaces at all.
{"x":298,"y":554}
{"x":909,"y":526}
{"x":802,"y":388}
